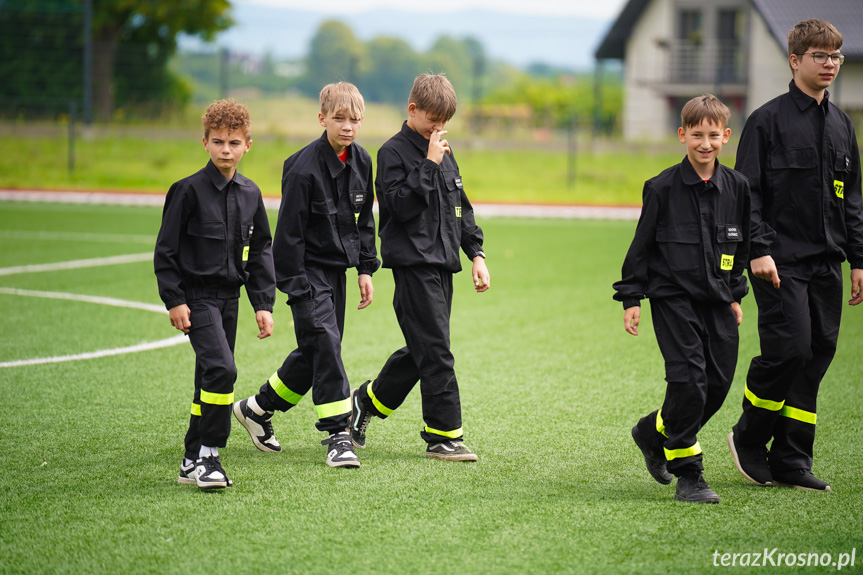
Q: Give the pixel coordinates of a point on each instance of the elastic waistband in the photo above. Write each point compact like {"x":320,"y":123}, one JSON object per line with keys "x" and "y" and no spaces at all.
{"x":212,"y":293}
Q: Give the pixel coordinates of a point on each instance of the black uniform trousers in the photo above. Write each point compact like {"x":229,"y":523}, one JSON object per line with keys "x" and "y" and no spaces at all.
{"x":699,"y":342}
{"x":423,"y":304}
{"x":798,"y":326}
{"x":212,"y":335}
{"x":316,"y":364}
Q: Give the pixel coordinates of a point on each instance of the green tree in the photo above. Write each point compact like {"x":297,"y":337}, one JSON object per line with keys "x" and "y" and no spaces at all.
{"x":392,"y":67}
{"x":153,"y":26}
{"x":334,"y":55}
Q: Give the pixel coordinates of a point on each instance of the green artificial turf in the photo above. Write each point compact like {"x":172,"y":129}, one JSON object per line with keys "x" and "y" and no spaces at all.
{"x":551,"y":384}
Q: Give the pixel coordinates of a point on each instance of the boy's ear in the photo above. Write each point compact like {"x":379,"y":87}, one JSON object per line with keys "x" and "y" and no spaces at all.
{"x":726,"y":135}
{"x":794,"y":61}
{"x":681,"y":134}
{"x":412,"y":108}
{"x":321,"y":120}
{"x":204,"y":139}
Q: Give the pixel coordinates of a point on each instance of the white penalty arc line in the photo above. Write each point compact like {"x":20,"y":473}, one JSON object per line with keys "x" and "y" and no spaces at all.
{"x":75,"y":264}
{"x":146,"y":346}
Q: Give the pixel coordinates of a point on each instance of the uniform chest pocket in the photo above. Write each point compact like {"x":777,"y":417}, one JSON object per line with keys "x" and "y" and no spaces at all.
{"x":793,"y":159}
{"x":680,"y":245}
{"x":452,"y":181}
{"x":843,"y":172}
{"x":728,"y":237}
{"x":206,"y":248}
{"x":323,"y":206}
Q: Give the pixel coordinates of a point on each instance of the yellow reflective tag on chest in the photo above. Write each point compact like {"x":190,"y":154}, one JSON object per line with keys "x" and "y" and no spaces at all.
{"x":458,"y":211}
{"x":727,"y":262}
{"x":245,"y":253}
{"x":839,"y":188}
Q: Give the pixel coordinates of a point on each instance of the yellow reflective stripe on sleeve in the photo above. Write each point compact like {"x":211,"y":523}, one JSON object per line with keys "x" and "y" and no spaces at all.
{"x":798,"y":414}
{"x":660,"y":425}
{"x":762,"y":403}
{"x":282,"y":390}
{"x":217,"y":398}
{"x":333,"y":409}
{"x":385,"y":411}
{"x":455,"y":433}
{"x":680,"y":453}
{"x":196,"y":409}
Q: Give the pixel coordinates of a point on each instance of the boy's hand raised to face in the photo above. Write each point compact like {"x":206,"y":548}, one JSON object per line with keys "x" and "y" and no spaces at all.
{"x":437,"y":147}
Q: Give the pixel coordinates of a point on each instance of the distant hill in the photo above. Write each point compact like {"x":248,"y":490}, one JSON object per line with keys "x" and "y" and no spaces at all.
{"x":518,"y":39}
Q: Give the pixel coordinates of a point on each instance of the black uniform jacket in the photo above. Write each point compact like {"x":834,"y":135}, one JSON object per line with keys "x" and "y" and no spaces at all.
{"x":325,"y":217}
{"x":803,"y":166}
{"x":692,"y":238}
{"x":425,"y":215}
{"x":215,"y":237}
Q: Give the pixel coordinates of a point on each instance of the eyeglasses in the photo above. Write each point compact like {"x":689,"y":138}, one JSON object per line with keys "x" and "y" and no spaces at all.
{"x":821,"y":57}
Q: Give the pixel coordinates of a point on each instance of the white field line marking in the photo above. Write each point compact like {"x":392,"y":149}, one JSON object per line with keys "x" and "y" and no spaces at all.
{"x":75,"y":264}
{"x":86,"y":298}
{"x":79,"y":237}
{"x":175,"y":340}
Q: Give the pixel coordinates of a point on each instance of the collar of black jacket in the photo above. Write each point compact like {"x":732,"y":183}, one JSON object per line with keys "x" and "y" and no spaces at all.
{"x":804,"y":100}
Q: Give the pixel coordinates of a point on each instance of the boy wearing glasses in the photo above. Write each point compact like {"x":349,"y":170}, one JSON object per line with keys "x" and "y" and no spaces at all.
{"x":800,"y":154}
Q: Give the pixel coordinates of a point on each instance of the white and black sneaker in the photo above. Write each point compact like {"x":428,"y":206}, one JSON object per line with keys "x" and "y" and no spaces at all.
{"x":450,"y":451}
{"x":258,"y":423}
{"x":340,"y":452}
{"x":209,"y":473}
{"x":187,"y":474}
{"x":360,"y":417}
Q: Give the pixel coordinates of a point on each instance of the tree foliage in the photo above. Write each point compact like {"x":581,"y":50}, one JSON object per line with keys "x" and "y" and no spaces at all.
{"x":42,"y":46}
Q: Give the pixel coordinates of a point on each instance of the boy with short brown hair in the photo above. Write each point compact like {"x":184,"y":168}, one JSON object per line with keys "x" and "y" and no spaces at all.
{"x":800,"y":154}
{"x":214,"y":238}
{"x":325,"y":226}
{"x":425,"y":218}
{"x":687,"y":256}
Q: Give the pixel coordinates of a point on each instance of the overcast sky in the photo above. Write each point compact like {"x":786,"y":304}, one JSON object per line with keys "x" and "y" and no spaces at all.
{"x":587,"y":8}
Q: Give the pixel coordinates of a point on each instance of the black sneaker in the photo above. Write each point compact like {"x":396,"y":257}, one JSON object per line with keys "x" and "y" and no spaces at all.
{"x":693,"y":489}
{"x":450,"y":451}
{"x":209,"y":473}
{"x":800,"y":479}
{"x":360,"y":417}
{"x":187,"y":474}
{"x":656,"y":464}
{"x":751,"y":462}
{"x":340,"y":452}
{"x":258,"y":423}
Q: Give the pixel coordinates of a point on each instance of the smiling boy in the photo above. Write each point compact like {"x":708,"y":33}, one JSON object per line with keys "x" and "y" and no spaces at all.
{"x":214,"y":238}
{"x":800,"y":154}
{"x":325,"y":226}
{"x":687,"y":257}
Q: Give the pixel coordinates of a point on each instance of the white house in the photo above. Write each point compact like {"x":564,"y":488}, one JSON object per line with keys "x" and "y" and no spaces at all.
{"x":673,"y":50}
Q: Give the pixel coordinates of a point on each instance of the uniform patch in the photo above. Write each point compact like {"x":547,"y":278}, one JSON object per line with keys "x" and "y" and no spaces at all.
{"x":245,"y":253}
{"x":839,"y":188}
{"x":727,"y":262}
{"x":458,"y":211}
{"x":732,"y":233}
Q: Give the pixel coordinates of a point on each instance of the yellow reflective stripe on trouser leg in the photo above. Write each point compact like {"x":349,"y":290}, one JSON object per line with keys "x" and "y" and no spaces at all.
{"x":333,"y":409}
{"x":685,"y":452}
{"x":660,"y":425}
{"x":798,"y":414}
{"x":282,"y":390}
{"x":196,"y":409}
{"x":217,"y":398}
{"x":762,"y":403}
{"x":455,"y":433}
{"x":385,"y":411}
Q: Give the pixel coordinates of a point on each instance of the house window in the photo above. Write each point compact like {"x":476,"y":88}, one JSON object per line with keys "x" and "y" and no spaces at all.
{"x":690,"y":39}
{"x":729,"y":57}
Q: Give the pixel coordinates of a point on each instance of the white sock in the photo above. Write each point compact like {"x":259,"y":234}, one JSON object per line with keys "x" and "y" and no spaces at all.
{"x":187,"y":462}
{"x":207,"y":451}
{"x":253,"y":405}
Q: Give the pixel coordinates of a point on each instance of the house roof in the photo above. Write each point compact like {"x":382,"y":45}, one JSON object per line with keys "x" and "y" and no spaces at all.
{"x":613,"y":46}
{"x":847,"y":15}
{"x":779,"y":15}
